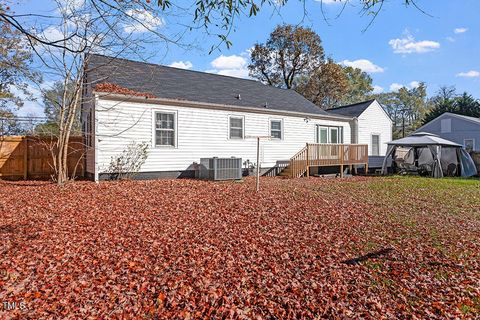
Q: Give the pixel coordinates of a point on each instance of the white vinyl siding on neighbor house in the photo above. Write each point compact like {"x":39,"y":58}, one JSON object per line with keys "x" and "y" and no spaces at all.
{"x":374,"y":120}
{"x":446,"y":125}
{"x":200,"y":133}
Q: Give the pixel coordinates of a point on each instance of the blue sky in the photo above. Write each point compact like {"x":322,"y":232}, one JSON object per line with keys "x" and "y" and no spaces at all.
{"x":402,"y":47}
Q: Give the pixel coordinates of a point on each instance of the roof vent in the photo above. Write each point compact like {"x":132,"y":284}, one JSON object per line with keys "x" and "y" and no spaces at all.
{"x":239,"y":97}
{"x":266,"y":104}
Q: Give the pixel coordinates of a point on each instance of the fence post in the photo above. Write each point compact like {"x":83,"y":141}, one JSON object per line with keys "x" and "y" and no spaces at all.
{"x":25,"y":159}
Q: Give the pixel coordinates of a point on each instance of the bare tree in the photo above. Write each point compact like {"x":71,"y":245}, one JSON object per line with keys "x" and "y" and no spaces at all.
{"x":216,"y":17}
{"x":79,"y":29}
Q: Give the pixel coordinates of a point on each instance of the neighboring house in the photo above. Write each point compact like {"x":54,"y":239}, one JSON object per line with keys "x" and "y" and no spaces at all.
{"x":186,"y":115}
{"x":374,"y":125}
{"x":461,"y":129}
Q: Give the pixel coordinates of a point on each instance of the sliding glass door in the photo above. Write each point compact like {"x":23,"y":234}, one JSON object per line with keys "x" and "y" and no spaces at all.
{"x":329,"y":134}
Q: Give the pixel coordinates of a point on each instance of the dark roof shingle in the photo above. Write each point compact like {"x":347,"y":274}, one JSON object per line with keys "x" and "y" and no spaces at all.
{"x":173,"y":83}
{"x":351,"y":110}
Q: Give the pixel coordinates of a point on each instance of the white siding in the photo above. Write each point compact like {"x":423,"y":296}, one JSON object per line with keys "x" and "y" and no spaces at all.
{"x":374,"y":121}
{"x":200,"y":133}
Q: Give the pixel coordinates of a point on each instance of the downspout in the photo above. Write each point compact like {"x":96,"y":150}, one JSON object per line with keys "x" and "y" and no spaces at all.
{"x":354,"y":131}
{"x":96,"y":169}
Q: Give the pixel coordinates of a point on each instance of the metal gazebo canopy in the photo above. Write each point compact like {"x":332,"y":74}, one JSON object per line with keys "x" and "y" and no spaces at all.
{"x":435,"y":144}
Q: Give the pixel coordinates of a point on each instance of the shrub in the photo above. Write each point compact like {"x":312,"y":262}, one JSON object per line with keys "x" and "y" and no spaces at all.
{"x":128,"y":163}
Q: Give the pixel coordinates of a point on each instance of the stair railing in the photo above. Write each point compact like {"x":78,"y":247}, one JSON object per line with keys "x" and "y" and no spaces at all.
{"x":299,"y":163}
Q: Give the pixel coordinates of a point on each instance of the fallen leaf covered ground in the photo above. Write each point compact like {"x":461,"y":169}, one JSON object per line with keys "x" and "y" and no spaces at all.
{"x":302,"y":248}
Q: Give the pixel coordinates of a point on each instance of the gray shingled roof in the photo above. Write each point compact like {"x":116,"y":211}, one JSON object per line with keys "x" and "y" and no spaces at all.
{"x":173,"y":83}
{"x":351,"y":110}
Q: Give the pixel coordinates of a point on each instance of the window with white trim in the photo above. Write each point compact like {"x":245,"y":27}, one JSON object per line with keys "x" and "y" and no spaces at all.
{"x":329,"y":134}
{"x":375,"y":144}
{"x":165,"y":129}
{"x":276,"y":130}
{"x":469,"y":144}
{"x":236,"y":127}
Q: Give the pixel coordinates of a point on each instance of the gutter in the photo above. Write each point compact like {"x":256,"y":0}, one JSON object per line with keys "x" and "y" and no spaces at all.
{"x":203,"y":105}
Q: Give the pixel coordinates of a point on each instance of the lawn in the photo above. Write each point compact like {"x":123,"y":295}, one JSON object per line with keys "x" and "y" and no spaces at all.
{"x":302,"y":248}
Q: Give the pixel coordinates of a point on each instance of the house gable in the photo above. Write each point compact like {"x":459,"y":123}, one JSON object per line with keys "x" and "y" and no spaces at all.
{"x":375,"y":125}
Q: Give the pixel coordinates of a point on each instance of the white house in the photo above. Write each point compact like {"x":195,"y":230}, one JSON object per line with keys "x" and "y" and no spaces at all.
{"x":458,"y":128}
{"x":374,"y":125}
{"x":186,"y":115}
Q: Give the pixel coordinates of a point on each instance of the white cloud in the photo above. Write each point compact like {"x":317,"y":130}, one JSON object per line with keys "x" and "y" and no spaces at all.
{"x":396,"y":86}
{"x":331,"y":1}
{"x":469,"y":74}
{"x":52,"y":34}
{"x":451,"y":39}
{"x":229,"y":62}
{"x":237,"y":73}
{"x":460,"y":30}
{"x":377,"y":89}
{"x":70,"y":7}
{"x":32,"y":105}
{"x":181,"y":64}
{"x":414,"y":84}
{"x":363,"y":64}
{"x":233,"y":65}
{"x":407,"y":44}
{"x":143,"y":21}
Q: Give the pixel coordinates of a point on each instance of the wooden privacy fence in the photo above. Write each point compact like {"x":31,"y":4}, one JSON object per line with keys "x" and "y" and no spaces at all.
{"x":320,"y":155}
{"x":28,"y":157}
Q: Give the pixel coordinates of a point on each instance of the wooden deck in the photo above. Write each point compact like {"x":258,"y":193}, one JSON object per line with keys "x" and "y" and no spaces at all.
{"x":322,"y":155}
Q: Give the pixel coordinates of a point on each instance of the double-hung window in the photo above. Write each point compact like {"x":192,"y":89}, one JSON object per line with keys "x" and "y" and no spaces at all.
{"x":165,"y":129}
{"x":236,"y":128}
{"x":276,"y":129}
